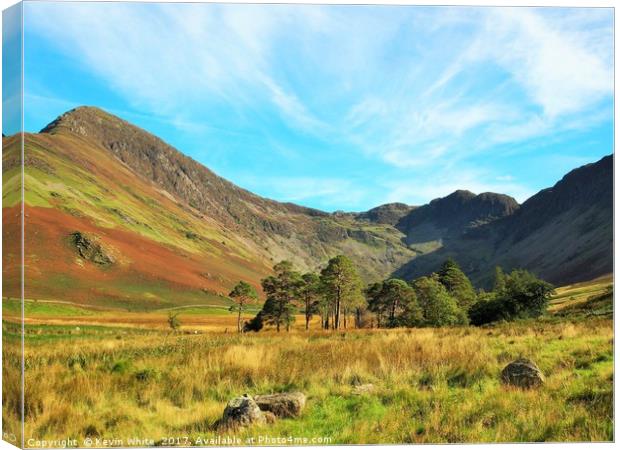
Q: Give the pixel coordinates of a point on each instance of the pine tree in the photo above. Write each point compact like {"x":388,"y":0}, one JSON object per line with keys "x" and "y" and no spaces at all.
{"x":375,"y":301}
{"x":457,"y":284}
{"x":395,"y":299}
{"x":342,"y":287}
{"x":281,"y":289}
{"x":310,"y":295}
{"x":500,"y":280}
{"x":439,"y":308}
{"x":242,"y":294}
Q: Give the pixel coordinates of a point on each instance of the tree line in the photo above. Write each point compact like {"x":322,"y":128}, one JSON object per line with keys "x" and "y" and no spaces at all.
{"x":338,"y":295}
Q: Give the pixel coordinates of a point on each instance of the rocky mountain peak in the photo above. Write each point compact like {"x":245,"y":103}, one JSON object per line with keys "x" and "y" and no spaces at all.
{"x":389,"y":213}
{"x":461,"y":209}
{"x":84,"y":121}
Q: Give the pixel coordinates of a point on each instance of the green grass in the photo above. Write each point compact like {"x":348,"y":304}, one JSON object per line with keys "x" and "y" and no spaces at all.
{"x":11,"y":187}
{"x":583,"y":299}
{"x":41,"y":308}
{"x":126,"y":294}
{"x":37,"y":334}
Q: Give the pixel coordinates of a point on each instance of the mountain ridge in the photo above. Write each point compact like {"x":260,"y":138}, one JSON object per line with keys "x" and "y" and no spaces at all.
{"x":107,"y":176}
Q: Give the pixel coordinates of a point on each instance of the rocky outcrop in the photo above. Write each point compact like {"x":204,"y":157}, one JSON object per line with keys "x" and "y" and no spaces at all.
{"x":459,"y":210}
{"x":90,"y":249}
{"x":523,"y":373}
{"x":388,"y":214}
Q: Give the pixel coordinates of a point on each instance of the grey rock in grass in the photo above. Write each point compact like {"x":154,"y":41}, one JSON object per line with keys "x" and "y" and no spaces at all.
{"x":362,"y":389}
{"x":242,"y":412}
{"x":523,"y":373}
{"x":287,"y":404}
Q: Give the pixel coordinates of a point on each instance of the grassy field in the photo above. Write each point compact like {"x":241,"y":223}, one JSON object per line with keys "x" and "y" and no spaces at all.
{"x":430,"y":385}
{"x":569,"y":297}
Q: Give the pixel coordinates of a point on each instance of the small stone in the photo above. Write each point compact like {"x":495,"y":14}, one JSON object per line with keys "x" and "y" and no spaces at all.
{"x":523,"y":373}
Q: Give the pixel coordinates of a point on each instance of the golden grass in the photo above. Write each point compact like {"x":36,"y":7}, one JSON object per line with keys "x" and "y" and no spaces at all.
{"x":431,"y":385}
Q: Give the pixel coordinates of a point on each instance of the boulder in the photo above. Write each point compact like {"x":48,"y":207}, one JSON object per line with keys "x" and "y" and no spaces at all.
{"x":523,"y":373}
{"x":241,"y":412}
{"x":288,"y":404}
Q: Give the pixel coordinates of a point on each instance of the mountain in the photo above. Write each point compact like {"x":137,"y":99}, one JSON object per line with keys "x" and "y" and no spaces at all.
{"x":451,"y":216}
{"x":563,"y":234}
{"x":117,"y":217}
{"x":173,"y":230}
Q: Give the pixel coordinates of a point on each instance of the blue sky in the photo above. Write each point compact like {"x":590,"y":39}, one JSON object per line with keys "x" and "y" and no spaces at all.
{"x":339,"y":107}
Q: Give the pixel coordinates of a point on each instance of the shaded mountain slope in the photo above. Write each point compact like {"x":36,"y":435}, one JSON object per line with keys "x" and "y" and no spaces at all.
{"x":564,"y":233}
{"x":451,"y":216}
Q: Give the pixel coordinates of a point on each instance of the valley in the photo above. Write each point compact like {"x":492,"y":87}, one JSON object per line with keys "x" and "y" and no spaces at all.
{"x":143,"y":207}
{"x":131,"y":250}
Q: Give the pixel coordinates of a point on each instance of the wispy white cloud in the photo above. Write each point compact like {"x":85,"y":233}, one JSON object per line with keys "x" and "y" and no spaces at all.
{"x":412,"y":90}
{"x":442,"y":183}
{"x":556,"y":70}
{"x":332,"y":191}
{"x":292,"y":108}
{"x":562,"y":70}
{"x":169,"y":58}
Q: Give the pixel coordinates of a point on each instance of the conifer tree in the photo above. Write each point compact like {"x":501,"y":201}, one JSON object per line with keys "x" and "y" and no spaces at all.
{"x":281,"y":290}
{"x":310,"y":295}
{"x":342,"y":287}
{"x":439,"y":308}
{"x":242,"y":294}
{"x":396,"y":300}
{"x":457,"y":284}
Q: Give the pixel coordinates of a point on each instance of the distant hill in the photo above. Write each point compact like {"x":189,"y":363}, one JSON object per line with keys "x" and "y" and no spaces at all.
{"x":117,"y":217}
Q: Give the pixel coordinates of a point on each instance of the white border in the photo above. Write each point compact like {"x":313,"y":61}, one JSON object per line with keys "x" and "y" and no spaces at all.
{"x":548,"y":3}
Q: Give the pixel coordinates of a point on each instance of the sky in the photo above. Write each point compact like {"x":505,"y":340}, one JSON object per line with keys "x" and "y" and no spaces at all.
{"x":339,"y":107}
